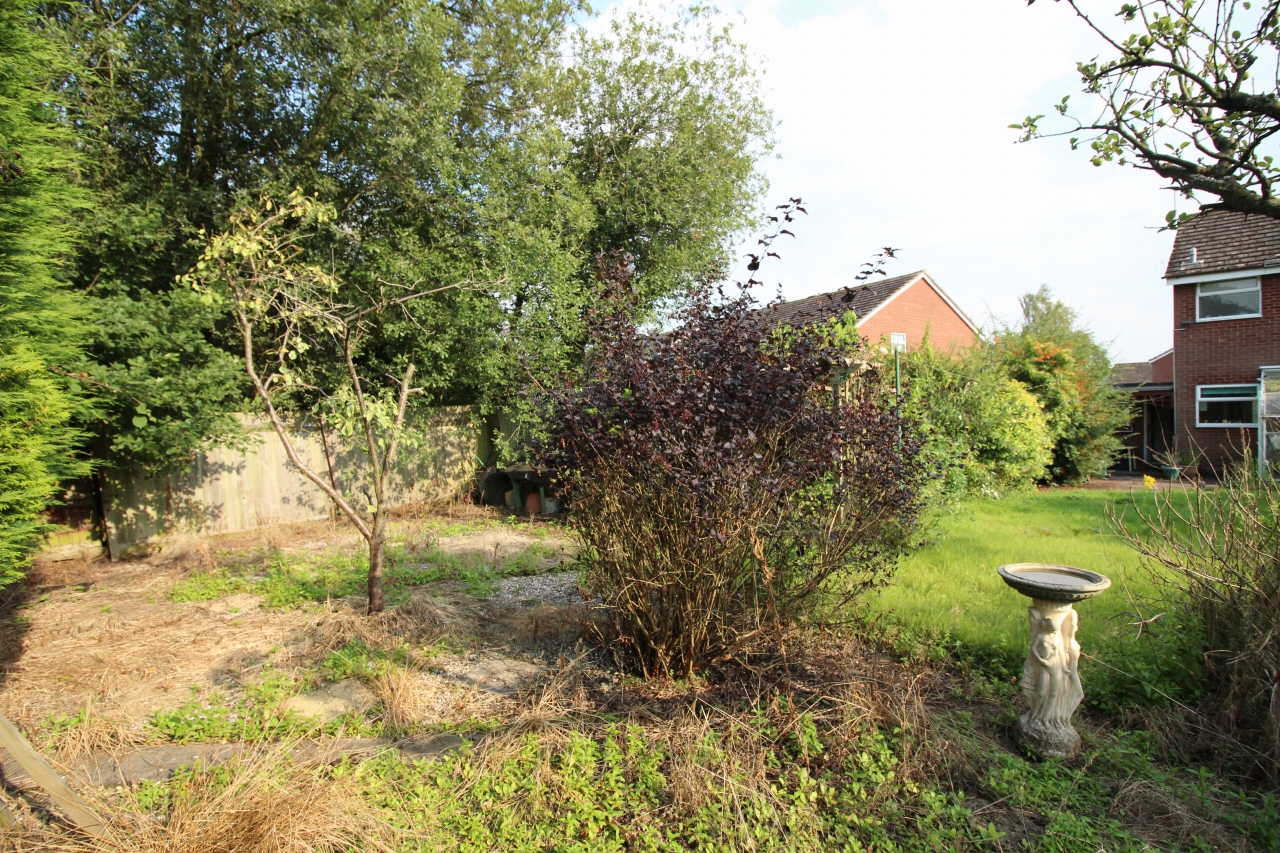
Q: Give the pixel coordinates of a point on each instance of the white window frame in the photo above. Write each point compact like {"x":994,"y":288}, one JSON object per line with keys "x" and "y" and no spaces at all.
{"x":1251,"y":283}
{"x":1253,"y":399}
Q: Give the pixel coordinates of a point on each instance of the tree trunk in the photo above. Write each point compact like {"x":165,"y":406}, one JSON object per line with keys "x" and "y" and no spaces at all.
{"x":376,"y":600}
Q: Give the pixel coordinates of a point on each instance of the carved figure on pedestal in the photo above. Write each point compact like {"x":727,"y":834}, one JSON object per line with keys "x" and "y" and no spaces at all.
{"x":1051,"y":680}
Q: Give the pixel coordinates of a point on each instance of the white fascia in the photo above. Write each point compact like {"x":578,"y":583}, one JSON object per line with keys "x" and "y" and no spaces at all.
{"x":1200,"y":278}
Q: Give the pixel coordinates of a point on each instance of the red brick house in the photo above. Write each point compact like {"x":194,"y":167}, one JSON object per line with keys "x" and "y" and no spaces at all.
{"x":1225,"y":275}
{"x":911,"y":305}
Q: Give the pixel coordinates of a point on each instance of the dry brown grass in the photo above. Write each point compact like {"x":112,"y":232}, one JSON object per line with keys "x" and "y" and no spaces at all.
{"x":1157,"y":815}
{"x":256,"y":804}
{"x":419,"y":621}
{"x":85,"y":733}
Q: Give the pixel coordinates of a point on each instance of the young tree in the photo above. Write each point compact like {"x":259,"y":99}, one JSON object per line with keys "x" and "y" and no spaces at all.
{"x":1192,"y":93}
{"x":289,"y":311}
{"x":41,"y":321}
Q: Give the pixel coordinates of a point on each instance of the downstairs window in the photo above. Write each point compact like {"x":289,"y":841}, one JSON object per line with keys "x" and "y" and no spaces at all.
{"x":1227,"y":405}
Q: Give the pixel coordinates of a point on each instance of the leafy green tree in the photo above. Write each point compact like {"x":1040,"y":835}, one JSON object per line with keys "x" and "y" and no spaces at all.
{"x":454,"y":145}
{"x":667,"y":127}
{"x":401,"y":115}
{"x":986,"y":432}
{"x":1181,"y":95}
{"x":1059,"y":361}
{"x":40,"y":319}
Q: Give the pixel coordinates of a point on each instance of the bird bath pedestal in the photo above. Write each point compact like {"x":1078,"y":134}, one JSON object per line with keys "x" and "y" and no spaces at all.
{"x":1051,"y":677}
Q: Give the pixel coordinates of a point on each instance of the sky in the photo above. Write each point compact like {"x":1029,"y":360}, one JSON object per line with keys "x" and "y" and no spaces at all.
{"x":893,"y":127}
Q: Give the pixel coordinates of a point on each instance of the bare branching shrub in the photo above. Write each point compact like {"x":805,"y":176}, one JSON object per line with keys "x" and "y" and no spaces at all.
{"x":1214,"y":555}
{"x":721,"y":489}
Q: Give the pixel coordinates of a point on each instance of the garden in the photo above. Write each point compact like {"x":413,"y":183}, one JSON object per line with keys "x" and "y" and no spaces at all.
{"x":767,"y":616}
{"x":769,"y":621}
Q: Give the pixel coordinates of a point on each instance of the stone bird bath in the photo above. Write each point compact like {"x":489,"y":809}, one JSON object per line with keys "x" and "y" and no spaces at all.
{"x":1051,"y":677}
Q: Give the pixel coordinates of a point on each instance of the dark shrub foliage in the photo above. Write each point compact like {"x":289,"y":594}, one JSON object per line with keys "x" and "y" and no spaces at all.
{"x":719,"y":489}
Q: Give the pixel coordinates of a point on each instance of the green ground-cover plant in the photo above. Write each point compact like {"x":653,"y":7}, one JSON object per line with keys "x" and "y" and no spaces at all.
{"x":620,"y":790}
{"x":947,"y":601}
{"x":721,"y":491}
{"x":356,"y":659}
{"x":252,"y":715}
{"x":1116,"y":789}
{"x":287,"y":581}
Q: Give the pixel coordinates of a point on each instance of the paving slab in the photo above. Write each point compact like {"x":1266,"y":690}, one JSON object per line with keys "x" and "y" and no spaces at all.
{"x":159,"y":763}
{"x":503,"y":676}
{"x":332,"y":700}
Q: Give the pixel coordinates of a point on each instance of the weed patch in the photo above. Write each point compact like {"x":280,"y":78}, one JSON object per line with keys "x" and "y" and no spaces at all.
{"x":254,"y":716}
{"x":289,"y":582}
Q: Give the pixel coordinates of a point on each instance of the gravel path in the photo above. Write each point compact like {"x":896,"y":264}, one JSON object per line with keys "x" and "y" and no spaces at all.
{"x":555,"y":588}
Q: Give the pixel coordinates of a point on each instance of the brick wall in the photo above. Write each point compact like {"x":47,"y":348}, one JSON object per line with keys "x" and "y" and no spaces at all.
{"x":1162,"y":369}
{"x":915,"y":310}
{"x":1219,"y":353}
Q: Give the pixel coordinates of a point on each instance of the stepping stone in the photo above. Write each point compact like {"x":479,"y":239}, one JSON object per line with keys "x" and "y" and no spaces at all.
{"x":332,"y":700}
{"x":158,"y":763}
{"x":502,"y":676}
{"x":241,"y":602}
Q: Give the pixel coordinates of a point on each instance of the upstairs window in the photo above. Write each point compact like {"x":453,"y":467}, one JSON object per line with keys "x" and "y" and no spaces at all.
{"x":1228,"y":300}
{"x":1227,"y":405}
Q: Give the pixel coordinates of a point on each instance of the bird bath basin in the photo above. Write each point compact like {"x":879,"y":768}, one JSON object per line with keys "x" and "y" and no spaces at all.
{"x":1051,"y":677}
{"x":1053,"y":583}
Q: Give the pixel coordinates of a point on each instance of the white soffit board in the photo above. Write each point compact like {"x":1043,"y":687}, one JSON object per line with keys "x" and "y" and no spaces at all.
{"x":1222,"y":276}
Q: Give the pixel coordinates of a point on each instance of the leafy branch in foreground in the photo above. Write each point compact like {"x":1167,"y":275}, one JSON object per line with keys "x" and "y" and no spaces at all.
{"x":1192,"y":95}
{"x":285,"y":308}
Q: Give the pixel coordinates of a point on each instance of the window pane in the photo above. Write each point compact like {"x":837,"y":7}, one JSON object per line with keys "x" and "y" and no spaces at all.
{"x":1230,"y":304}
{"x":1228,"y":412}
{"x":1228,"y":286}
{"x":1250,"y":391}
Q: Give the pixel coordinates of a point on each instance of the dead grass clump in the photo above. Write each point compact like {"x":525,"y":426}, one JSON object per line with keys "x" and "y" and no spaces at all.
{"x":400,"y":692}
{"x":87,"y":732}
{"x":1158,"y":815}
{"x":726,"y":762}
{"x":419,"y":621}
{"x":258,"y":804}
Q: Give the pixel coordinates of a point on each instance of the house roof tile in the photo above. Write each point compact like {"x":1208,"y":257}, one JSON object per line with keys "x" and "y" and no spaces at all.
{"x":862,"y":300}
{"x":1131,"y":373}
{"x":1224,"y":242}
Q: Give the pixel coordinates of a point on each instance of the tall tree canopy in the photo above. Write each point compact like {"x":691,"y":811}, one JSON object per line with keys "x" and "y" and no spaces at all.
{"x":1190,"y":90}
{"x":479,"y":142}
{"x":40,"y":319}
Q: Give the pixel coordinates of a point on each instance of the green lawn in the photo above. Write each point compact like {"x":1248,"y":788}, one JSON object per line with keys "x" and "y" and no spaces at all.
{"x":950,"y":587}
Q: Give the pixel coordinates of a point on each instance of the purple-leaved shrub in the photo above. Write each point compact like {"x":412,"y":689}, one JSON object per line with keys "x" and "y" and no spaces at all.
{"x":722,"y":489}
